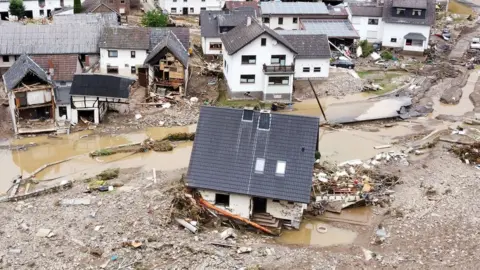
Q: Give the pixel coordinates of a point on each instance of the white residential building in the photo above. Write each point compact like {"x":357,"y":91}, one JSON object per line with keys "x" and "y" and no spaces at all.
{"x":190,"y":7}
{"x":368,"y":22}
{"x":258,"y":63}
{"x":35,"y":8}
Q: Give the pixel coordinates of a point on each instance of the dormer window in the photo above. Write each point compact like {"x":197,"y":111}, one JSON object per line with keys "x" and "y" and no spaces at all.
{"x":417,"y":12}
{"x":400,"y":11}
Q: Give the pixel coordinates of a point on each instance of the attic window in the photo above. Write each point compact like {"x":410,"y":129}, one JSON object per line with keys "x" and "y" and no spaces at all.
{"x":417,"y":12}
{"x":259,"y":165}
{"x":266,"y":20}
{"x":400,"y":11}
{"x":281,"y":166}
{"x":247,"y":115}
{"x":264,"y":121}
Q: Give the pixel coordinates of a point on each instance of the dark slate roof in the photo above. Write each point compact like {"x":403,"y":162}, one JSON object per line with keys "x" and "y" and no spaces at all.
{"x":120,"y":37}
{"x":428,"y":20}
{"x":226,"y":148}
{"x":366,"y":11}
{"x":422,"y":4}
{"x":210,"y":21}
{"x":62,"y":94}
{"x":310,"y":46}
{"x":64,"y":65}
{"x":157,"y":34}
{"x":20,"y":69}
{"x":101,"y":85}
{"x":173,"y":44}
{"x":242,"y":35}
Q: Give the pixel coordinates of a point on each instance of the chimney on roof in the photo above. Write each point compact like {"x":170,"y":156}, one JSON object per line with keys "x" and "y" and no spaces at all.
{"x":249,"y":20}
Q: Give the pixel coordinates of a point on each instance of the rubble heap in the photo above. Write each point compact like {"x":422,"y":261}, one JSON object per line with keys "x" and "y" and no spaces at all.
{"x":469,"y":154}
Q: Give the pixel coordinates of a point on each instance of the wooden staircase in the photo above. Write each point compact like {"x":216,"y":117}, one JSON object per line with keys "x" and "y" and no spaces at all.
{"x":266,"y":220}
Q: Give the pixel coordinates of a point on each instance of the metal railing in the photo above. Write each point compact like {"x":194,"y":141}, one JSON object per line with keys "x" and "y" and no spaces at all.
{"x":278,"y":68}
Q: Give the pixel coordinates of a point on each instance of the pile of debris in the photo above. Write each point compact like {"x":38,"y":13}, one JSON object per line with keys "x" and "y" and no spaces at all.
{"x":470,"y":154}
{"x":354,"y":183}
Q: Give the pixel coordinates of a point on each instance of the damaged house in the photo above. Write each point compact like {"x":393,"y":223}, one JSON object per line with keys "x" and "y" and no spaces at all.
{"x":93,"y":94}
{"x":255,"y":164}
{"x":31,"y":97}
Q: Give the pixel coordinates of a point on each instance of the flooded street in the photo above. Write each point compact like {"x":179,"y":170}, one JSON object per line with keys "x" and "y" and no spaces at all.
{"x":78,"y":145}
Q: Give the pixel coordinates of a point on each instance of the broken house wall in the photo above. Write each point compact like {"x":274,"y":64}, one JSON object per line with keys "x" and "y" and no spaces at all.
{"x":284,"y":210}
{"x":99,"y":106}
{"x":171,"y":65}
{"x":239,"y":204}
{"x":69,"y":112}
{"x":124,"y":61}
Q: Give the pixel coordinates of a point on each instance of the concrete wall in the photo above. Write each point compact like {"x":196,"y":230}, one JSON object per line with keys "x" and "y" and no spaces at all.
{"x":369,"y":32}
{"x":239,"y":204}
{"x":288,"y":23}
{"x":197,"y":5}
{"x":235,"y":68}
{"x":398,"y":31}
{"x":284,"y":210}
{"x":324,"y":65}
{"x":124,"y":61}
{"x":206,"y":45}
{"x":35,"y":7}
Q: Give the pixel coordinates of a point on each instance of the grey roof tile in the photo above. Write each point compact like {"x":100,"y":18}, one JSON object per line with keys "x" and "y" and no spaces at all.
{"x":422,"y":4}
{"x":157,"y":34}
{"x":105,"y":18}
{"x":210,"y":21}
{"x":121,"y":37}
{"x":19,"y":69}
{"x":242,"y":35}
{"x":331,"y":28}
{"x":173,"y":44}
{"x":298,"y":8}
{"x":225,"y":150}
{"x":366,"y":11}
{"x":101,"y":85}
{"x":310,"y":46}
{"x":428,"y":20}
{"x":62,"y":94}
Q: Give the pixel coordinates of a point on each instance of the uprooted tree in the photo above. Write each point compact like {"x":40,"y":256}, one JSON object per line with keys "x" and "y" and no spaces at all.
{"x":154,"y":18}
{"x":17,"y":8}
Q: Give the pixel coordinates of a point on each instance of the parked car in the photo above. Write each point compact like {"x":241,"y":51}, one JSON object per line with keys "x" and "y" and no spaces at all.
{"x":343,"y":63}
{"x":475,"y":43}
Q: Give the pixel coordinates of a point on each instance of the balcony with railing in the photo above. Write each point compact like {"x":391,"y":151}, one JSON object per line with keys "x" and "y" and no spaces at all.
{"x":278,"y":68}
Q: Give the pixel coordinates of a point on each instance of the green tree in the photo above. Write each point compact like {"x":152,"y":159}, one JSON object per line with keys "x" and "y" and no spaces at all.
{"x":154,"y":18}
{"x":77,"y":6}
{"x":17,"y":8}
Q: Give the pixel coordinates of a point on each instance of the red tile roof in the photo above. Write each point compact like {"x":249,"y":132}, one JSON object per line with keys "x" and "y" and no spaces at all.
{"x":64,"y":65}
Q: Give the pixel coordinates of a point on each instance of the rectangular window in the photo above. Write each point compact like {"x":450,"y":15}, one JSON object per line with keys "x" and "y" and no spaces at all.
{"x":400,"y":11}
{"x":222,"y":199}
{"x":317,"y":69}
{"x":215,"y":46}
{"x":278,"y":59}
{"x":247,"y":115}
{"x":42,"y":12}
{"x":295,"y":20}
{"x":279,"y":80}
{"x":266,"y":20}
{"x":259,"y":165}
{"x":133,"y":70}
{"x":202,"y":8}
{"x":112,"y":70}
{"x":203,"y":0}
{"x":281,"y":165}
{"x":62,"y":110}
{"x":393,"y":40}
{"x":173,"y":10}
{"x":5,"y":58}
{"x":184,"y":0}
{"x":122,"y":1}
{"x":264,"y":42}
{"x":373,"y":21}
{"x":417,"y":12}
{"x":412,"y":42}
{"x":280,"y":20}
{"x":132,"y":54}
{"x":113,"y":53}
{"x":306,"y":69}
{"x":192,"y":10}
{"x":264,"y":121}
{"x":249,"y":59}
{"x":247,"y":78}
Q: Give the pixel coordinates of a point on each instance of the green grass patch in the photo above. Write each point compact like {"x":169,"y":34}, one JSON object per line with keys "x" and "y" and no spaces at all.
{"x":385,"y":82}
{"x":223,"y":101}
{"x":363,"y":74}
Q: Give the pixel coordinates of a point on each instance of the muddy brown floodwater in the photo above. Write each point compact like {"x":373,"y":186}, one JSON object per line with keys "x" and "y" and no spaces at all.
{"x":78,"y":145}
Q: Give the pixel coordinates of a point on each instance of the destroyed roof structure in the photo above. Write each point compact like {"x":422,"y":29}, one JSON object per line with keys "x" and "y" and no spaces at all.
{"x":242,"y":35}
{"x":238,"y":150}
{"x":213,"y":23}
{"x":124,"y":37}
{"x":63,"y":66}
{"x":310,"y":46}
{"x":21,"y":68}
{"x":299,"y":8}
{"x":366,"y":10}
{"x":158,"y":34}
{"x":173,"y":44}
{"x":101,"y":85}
{"x":391,"y":5}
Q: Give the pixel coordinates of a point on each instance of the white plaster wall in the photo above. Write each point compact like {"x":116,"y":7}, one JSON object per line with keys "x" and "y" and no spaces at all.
{"x":75,"y":115}
{"x":283,"y":210}
{"x":206,"y":45}
{"x":288,"y":23}
{"x":361,"y":25}
{"x":263,"y":53}
{"x":124,"y":61}
{"x":392,"y":30}
{"x":69,"y":111}
{"x":11,"y":60}
{"x":239,"y":204}
{"x":279,"y":88}
{"x":324,"y":65}
{"x":195,"y":4}
{"x":35,"y":8}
